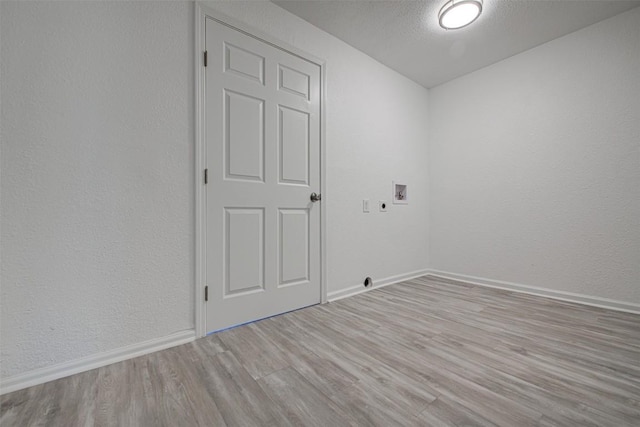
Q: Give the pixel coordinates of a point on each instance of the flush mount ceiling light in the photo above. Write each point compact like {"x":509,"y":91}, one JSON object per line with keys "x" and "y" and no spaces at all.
{"x":459,"y":13}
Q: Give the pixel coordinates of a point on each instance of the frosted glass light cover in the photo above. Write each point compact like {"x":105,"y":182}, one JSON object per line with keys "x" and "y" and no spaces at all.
{"x":457,"y":14}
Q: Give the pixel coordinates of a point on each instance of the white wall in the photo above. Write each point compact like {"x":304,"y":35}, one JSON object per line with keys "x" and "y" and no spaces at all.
{"x":535,"y":166}
{"x":97,"y":191}
{"x":97,"y":185}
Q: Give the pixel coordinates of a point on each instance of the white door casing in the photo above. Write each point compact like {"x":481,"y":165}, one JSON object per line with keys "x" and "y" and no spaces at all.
{"x":262,"y":151}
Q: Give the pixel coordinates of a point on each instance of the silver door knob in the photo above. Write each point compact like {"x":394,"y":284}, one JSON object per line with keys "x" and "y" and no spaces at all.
{"x":316,"y":197}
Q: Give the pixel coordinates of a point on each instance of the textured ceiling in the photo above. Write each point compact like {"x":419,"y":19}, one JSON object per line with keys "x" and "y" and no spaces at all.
{"x":405,"y":35}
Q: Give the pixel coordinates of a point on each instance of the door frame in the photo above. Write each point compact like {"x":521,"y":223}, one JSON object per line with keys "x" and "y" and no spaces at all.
{"x":202,"y":12}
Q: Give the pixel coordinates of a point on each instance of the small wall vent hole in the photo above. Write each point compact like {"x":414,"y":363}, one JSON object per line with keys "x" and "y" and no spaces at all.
{"x":368,"y":282}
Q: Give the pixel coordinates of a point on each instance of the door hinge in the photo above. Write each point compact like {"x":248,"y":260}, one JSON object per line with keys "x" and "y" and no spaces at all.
{"x":206,"y":293}
{"x":205,"y":58}
{"x":206,"y":176}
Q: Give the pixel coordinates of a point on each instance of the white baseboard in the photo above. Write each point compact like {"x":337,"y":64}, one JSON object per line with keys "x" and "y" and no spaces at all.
{"x":379,"y":283}
{"x":50,"y":373}
{"x":543,"y":292}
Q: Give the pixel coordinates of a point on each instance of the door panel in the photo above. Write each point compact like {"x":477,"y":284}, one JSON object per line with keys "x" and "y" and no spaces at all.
{"x":262,"y":132}
{"x":244,"y":136}
{"x":243,"y":63}
{"x":293,"y":138}
{"x":294,"y":247}
{"x":293,"y":81}
{"x":244,"y":254}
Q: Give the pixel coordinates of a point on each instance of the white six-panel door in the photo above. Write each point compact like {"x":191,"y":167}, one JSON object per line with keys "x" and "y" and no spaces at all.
{"x":263,"y":156}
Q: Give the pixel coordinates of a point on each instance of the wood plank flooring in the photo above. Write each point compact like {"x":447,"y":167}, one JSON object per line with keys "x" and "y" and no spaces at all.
{"x":425,"y":352}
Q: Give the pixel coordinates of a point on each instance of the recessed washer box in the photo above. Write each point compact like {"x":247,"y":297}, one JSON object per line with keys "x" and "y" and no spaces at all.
{"x":400,"y":195}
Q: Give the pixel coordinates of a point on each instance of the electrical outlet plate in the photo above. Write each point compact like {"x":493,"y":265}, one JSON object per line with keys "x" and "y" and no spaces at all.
{"x":365,"y":206}
{"x":383,"y":205}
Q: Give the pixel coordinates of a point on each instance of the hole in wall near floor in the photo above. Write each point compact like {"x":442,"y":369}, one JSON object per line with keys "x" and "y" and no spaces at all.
{"x":368,"y":282}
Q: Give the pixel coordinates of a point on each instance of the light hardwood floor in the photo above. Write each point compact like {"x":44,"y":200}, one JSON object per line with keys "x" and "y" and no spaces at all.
{"x":423,"y":352}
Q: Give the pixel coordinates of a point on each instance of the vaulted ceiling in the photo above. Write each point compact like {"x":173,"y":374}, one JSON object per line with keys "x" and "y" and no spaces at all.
{"x":405,"y":35}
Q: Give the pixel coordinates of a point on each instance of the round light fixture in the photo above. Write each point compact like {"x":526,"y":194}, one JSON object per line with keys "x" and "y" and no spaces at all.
{"x":459,"y":13}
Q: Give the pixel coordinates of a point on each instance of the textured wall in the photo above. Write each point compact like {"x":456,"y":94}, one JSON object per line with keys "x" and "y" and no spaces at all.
{"x":535,"y":166}
{"x":97,"y":188}
{"x":97,"y":185}
{"x":376,"y":133}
